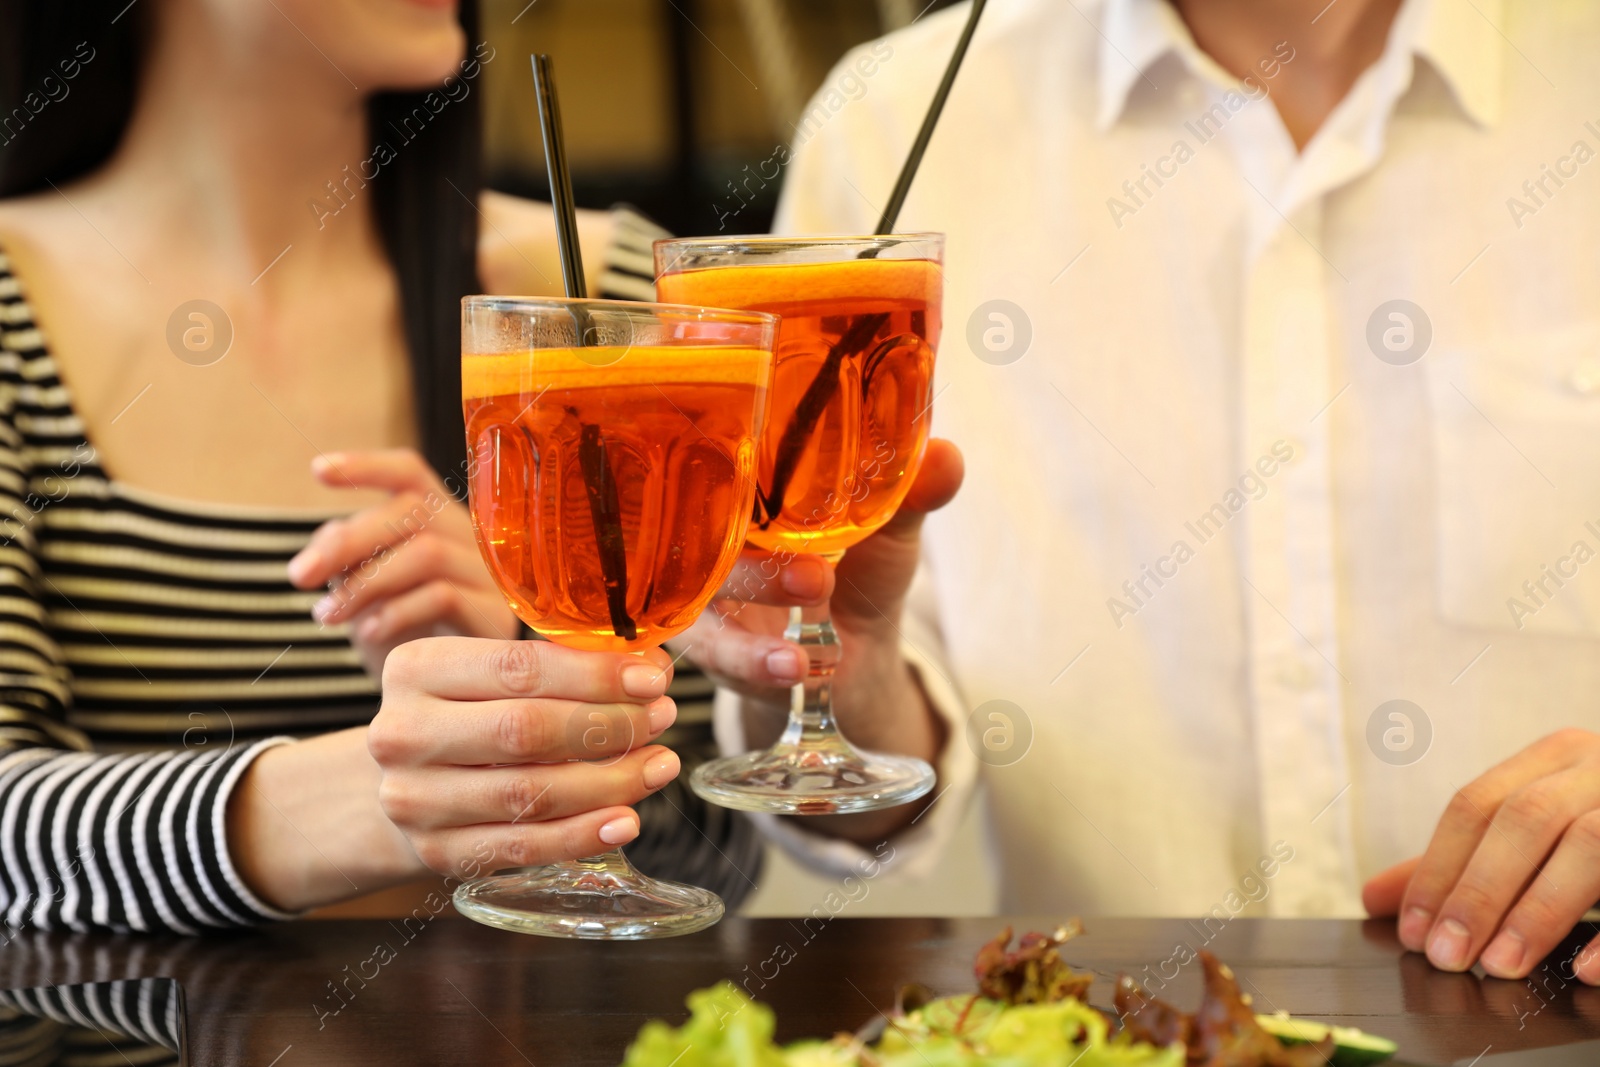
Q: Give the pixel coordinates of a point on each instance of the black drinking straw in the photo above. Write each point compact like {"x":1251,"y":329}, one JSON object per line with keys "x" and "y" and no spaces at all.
{"x":902,"y":186}
{"x":555,"y":165}
{"x":823,"y":387}
{"x":605,"y":510}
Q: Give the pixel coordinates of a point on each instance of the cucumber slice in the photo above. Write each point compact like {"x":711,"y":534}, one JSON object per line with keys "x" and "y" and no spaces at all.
{"x":1351,"y":1047}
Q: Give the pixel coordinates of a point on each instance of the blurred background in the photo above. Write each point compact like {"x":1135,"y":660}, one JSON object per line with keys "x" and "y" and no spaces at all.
{"x":664,"y":104}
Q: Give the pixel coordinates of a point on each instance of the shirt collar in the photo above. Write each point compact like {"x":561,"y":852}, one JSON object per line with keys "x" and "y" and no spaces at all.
{"x":1134,"y":34}
{"x":1459,"y":40}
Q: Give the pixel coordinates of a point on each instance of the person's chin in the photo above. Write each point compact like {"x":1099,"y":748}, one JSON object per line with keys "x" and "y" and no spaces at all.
{"x":420,"y":64}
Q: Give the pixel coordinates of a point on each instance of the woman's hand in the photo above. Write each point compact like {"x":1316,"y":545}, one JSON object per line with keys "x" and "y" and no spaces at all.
{"x":477,"y":742}
{"x":405,"y":569}
{"x":1511,"y":868}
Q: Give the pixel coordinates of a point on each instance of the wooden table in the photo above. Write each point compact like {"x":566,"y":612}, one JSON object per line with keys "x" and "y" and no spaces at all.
{"x":457,"y":993}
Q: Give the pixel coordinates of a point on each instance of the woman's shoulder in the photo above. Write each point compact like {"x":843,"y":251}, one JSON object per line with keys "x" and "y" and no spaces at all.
{"x":33,"y":241}
{"x":48,"y":245}
{"x":517,"y":251}
{"x":31,"y":223}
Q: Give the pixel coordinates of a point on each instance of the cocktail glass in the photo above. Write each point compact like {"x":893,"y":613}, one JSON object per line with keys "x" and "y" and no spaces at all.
{"x":844,"y":440}
{"x":613,"y":454}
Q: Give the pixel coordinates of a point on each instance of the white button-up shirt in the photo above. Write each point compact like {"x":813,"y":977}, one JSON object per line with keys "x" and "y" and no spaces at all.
{"x":1282,"y":507}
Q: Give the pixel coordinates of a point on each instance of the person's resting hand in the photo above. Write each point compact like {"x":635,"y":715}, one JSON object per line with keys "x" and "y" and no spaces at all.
{"x":518,"y":753}
{"x":1511,"y":868}
{"x":739,"y":640}
{"x":405,"y":569}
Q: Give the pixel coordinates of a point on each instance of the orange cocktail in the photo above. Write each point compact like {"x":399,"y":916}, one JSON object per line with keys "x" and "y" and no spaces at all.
{"x":642,"y":457}
{"x":849,"y":413}
{"x":611,"y":472}
{"x":845,"y":437}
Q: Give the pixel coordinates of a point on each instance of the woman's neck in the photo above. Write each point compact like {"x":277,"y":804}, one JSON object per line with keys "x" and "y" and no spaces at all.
{"x":231,"y":155}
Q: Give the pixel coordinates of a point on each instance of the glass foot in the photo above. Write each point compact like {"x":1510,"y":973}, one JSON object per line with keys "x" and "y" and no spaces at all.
{"x":601,"y":899}
{"x":812,"y":779}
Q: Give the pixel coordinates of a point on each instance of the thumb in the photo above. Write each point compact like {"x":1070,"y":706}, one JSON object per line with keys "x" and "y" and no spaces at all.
{"x":943,"y":470}
{"x":873,"y":576}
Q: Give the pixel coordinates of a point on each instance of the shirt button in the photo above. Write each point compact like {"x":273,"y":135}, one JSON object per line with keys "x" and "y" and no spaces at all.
{"x":1585,"y":376}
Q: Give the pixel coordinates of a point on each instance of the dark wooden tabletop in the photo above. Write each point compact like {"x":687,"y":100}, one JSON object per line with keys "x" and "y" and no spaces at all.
{"x":370,"y":992}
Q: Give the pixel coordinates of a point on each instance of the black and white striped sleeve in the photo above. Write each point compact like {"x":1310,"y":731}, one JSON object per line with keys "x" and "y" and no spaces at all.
{"x":125,"y":842}
{"x":133,"y":1020}
{"x":129,"y":842}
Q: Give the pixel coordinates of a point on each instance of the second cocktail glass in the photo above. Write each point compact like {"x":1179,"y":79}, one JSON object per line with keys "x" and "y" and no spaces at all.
{"x":845,"y":437}
{"x":613,"y":454}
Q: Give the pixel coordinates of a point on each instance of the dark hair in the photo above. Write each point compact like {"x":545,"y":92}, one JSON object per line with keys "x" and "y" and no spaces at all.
{"x":429,"y":228}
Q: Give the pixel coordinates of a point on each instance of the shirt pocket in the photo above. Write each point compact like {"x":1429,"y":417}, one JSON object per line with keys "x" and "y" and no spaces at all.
{"x":1516,"y":435}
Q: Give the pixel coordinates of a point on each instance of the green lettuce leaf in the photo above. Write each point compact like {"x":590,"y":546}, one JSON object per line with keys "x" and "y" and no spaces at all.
{"x":969,"y":1031}
{"x":725,"y":1029}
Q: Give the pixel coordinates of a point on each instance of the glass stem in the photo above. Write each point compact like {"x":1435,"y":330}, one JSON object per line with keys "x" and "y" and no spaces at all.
{"x":811,"y":701}
{"x":607,"y":865}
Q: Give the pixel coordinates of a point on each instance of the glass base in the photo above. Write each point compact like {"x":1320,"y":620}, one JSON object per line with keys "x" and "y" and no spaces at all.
{"x":599,"y":900}
{"x":826,"y":778}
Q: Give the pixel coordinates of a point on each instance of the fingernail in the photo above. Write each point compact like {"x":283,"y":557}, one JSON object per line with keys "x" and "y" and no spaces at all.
{"x":805,"y":579}
{"x":1503,"y":957}
{"x":368,"y":630}
{"x":661,"y":770}
{"x":619,"y":831}
{"x":643,"y":680}
{"x":663,"y":713}
{"x":323,"y":608}
{"x":1414,"y":927}
{"x":1447,"y":947}
{"x":784,"y":664}
{"x":1587,"y":965}
{"x":307,"y":561}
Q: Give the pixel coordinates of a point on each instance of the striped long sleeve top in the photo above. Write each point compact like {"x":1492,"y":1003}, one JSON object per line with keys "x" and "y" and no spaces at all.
{"x":151,"y":648}
{"x":164,"y":635}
